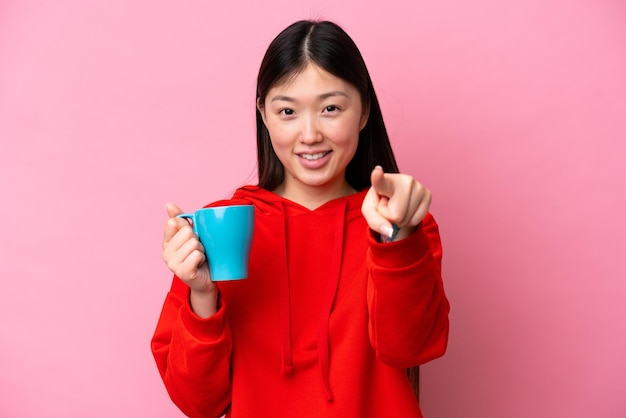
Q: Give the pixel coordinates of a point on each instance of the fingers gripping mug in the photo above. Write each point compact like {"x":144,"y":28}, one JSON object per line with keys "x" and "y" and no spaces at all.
{"x":226,"y":235}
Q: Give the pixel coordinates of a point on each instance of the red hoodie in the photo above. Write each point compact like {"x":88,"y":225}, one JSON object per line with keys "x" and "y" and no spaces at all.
{"x":325,"y":325}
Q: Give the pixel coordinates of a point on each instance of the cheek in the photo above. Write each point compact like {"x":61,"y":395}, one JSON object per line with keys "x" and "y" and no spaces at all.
{"x":347,"y":136}
{"x":279,"y":140}
{"x":279,"y":136}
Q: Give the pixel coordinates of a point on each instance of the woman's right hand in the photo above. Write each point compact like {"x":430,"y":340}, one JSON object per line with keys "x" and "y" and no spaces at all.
{"x":184,"y":255}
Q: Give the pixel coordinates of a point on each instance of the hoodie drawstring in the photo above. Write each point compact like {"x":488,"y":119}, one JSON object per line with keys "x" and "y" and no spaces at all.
{"x":323,"y":343}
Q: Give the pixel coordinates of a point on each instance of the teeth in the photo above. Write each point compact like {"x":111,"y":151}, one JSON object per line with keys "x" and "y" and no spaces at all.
{"x":312,"y":157}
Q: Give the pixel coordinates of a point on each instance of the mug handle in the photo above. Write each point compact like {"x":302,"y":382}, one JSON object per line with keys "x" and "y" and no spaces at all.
{"x":191,"y":216}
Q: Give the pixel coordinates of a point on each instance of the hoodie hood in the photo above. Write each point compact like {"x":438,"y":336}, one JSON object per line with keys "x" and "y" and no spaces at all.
{"x":283,"y":212}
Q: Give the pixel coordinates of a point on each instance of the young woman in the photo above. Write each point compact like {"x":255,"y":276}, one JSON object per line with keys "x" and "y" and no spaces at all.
{"x":344,"y":291}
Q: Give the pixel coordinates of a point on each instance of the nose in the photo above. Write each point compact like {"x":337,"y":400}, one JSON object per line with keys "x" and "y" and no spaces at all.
{"x":310,"y":132}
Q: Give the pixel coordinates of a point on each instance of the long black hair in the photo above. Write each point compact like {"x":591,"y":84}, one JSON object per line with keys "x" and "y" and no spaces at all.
{"x":328,"y":46}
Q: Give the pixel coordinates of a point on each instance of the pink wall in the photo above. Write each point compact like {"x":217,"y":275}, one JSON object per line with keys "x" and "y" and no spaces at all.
{"x":513,"y":112}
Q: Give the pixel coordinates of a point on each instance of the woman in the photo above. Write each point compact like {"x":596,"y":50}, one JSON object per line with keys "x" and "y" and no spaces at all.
{"x":344,"y":291}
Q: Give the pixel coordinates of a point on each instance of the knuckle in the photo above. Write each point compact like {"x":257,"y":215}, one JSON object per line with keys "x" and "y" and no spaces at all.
{"x":172,"y":266}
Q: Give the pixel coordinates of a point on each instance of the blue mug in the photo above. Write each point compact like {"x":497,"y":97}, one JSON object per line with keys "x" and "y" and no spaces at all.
{"x":226,"y":235}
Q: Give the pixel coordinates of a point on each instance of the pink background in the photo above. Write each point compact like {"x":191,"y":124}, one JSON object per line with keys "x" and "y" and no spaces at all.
{"x":512,"y":112}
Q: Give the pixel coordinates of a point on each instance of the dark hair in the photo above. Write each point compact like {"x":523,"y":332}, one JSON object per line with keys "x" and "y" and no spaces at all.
{"x":329,"y":47}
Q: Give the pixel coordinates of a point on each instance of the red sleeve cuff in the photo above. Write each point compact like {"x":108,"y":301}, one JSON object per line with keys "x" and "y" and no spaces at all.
{"x":204,"y":329}
{"x":400,"y":253}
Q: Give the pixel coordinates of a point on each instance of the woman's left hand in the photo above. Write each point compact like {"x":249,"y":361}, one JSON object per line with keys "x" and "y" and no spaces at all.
{"x":396,"y":199}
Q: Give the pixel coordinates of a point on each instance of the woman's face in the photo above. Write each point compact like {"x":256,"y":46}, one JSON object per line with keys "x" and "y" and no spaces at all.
{"x":314,"y":120}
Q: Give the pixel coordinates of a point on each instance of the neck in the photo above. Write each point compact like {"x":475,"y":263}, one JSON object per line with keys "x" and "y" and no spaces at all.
{"x":312,"y":197}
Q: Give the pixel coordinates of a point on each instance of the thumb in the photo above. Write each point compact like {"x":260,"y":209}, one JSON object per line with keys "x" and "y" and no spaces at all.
{"x":173,"y":210}
{"x":381,"y":184}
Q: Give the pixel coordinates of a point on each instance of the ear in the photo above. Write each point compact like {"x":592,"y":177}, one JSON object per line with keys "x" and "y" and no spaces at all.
{"x":364,"y":115}
{"x":261,"y":108}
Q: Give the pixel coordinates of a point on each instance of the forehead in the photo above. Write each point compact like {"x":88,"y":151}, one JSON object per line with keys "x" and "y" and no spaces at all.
{"x":312,"y":80}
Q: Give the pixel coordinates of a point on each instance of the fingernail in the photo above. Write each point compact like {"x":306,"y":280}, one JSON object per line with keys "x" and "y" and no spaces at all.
{"x":390,"y":234}
{"x":386,"y":230}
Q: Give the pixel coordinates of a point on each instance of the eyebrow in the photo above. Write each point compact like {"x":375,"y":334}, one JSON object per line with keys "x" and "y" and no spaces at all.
{"x":334,"y":93}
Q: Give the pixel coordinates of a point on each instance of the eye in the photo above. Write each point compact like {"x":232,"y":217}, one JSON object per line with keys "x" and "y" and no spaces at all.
{"x":331,"y":108}
{"x":286,"y":111}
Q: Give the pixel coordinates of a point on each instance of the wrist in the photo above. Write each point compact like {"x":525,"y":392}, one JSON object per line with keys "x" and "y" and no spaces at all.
{"x":203,"y":304}
{"x":397,"y":233}
{"x":405,"y":232}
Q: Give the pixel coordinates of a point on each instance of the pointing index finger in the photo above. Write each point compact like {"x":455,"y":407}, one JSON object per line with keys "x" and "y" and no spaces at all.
{"x":381,"y":184}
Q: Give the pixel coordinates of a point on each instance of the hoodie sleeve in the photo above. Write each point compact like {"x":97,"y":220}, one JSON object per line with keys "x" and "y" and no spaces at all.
{"x":406,"y":299}
{"x":193,"y":355}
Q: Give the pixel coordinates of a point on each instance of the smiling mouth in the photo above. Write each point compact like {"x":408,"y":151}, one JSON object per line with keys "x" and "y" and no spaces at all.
{"x":316,"y":156}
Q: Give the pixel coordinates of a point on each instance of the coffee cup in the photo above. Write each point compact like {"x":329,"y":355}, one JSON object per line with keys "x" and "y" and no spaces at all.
{"x":226,"y":235}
